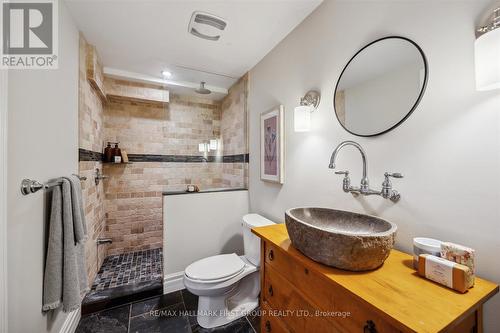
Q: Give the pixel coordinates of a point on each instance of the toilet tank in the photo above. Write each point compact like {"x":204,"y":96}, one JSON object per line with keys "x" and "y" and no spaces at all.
{"x":251,"y":242}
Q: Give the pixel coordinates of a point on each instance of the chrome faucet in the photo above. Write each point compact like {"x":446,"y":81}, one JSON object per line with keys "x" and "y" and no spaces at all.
{"x":386,"y":192}
{"x":365,"y":183}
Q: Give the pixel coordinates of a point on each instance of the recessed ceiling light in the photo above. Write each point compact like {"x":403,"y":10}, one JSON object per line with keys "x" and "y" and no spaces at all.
{"x":166,"y":74}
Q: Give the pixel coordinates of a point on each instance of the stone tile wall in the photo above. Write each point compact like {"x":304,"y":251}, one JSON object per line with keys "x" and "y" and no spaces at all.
{"x":234,"y":133}
{"x":133,"y":201}
{"x":173,"y":129}
{"x":134,"y":216}
{"x":135,"y":91}
{"x":234,"y":119}
{"x":90,"y":138}
{"x":127,"y":207}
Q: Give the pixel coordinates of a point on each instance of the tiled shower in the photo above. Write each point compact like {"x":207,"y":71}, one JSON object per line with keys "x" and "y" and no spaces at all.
{"x":129,"y":268}
{"x":162,"y":140}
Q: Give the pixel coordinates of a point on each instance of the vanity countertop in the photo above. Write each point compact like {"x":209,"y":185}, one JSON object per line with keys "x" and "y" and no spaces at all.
{"x":395,"y":290}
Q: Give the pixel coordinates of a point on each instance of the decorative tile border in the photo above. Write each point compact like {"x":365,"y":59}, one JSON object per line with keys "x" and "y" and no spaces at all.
{"x":173,"y":158}
{"x":239,"y":158}
{"x":87,"y":155}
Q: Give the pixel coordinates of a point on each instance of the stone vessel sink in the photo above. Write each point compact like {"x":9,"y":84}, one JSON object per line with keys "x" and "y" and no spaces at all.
{"x":341,"y":239}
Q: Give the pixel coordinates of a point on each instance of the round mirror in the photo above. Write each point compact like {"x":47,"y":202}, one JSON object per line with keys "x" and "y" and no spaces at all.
{"x":380,"y":86}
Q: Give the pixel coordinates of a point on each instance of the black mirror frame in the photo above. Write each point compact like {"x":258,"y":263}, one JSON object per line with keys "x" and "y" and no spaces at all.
{"x":424,"y":86}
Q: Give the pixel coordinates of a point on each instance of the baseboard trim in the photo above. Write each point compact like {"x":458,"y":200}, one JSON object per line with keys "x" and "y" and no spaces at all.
{"x":71,"y":322}
{"x":173,"y":282}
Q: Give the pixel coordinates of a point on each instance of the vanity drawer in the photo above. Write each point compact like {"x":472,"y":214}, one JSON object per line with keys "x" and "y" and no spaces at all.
{"x":269,"y":323}
{"x":320,"y":291}
{"x":291,"y":306}
{"x":323,"y":294}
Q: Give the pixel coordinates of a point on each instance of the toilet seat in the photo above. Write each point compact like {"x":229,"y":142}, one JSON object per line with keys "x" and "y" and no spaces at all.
{"x":214,"y":269}
{"x":220,"y":286}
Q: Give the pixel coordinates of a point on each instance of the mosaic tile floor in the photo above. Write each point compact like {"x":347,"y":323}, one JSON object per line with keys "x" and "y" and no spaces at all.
{"x":129,"y":268}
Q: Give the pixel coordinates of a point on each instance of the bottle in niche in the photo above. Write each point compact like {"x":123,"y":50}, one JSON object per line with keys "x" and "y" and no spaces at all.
{"x":117,"y":154}
{"x":108,"y":153}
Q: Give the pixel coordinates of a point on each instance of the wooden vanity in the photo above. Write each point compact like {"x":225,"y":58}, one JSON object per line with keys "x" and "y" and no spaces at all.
{"x":300,"y":295}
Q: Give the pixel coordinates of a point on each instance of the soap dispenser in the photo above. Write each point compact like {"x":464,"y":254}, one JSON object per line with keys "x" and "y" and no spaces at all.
{"x":117,"y":153}
{"x":108,"y":153}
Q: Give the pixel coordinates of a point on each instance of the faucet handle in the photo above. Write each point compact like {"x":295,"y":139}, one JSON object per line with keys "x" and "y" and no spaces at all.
{"x":346,"y":182}
{"x":387,"y":191}
{"x":394,"y":175}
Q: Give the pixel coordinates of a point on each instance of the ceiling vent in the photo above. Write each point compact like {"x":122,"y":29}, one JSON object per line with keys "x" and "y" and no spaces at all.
{"x":206,"y":26}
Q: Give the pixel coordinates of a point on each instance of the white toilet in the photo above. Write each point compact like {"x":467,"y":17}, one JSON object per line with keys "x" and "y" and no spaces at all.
{"x":228,"y":285}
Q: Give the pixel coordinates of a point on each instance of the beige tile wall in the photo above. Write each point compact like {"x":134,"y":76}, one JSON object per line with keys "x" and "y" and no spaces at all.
{"x":90,"y":138}
{"x":174,"y":129}
{"x":138,"y":92}
{"x":233,"y":119}
{"x":93,"y":197}
{"x":133,"y":201}
{"x":234,"y":133}
{"x":128,"y":206}
{"x":95,"y":74}
{"x":235,"y":175}
{"x":90,"y":109}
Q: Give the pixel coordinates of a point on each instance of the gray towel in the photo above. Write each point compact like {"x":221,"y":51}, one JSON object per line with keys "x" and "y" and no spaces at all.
{"x":78,"y":213}
{"x":65,"y":279}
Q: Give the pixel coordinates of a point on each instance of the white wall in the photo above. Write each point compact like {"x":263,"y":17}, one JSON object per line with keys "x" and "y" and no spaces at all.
{"x":368,"y":110}
{"x":42,"y":144}
{"x":448,"y":149}
{"x":3,"y":201}
{"x":199,"y":225}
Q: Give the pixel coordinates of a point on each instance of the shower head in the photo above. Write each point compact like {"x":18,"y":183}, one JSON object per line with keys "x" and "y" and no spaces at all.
{"x":202,"y":90}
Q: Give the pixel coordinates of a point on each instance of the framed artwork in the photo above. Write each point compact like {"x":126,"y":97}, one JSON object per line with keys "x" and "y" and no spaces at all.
{"x":272,"y":145}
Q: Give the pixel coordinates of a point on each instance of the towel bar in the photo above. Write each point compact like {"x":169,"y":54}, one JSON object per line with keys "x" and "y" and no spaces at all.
{"x":31,"y":186}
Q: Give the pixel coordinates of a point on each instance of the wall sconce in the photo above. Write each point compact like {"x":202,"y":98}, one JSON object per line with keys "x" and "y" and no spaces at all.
{"x":202,"y":147}
{"x":302,"y":113}
{"x":487,"y":54}
{"x":214,"y":144}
